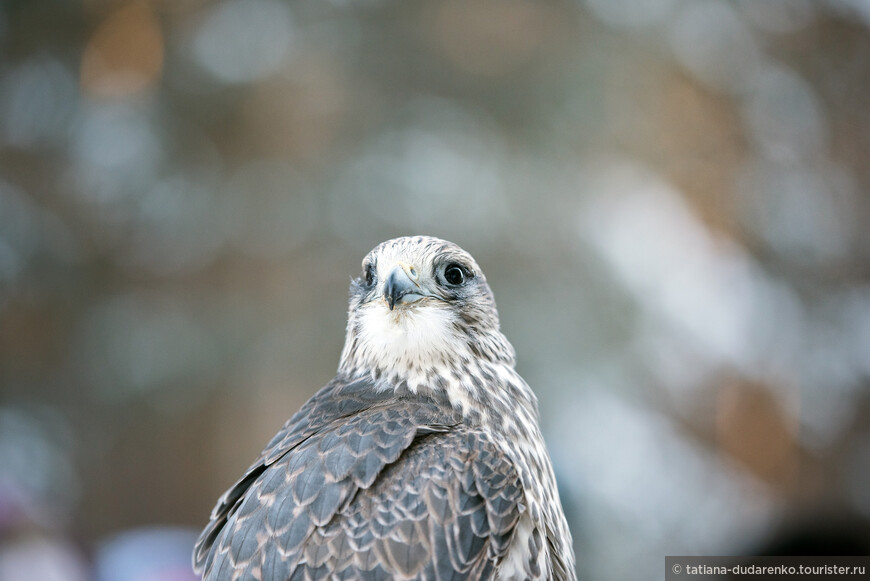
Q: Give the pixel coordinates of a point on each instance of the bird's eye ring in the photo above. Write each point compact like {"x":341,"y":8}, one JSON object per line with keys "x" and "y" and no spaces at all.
{"x":455,"y":274}
{"x":369,"y":275}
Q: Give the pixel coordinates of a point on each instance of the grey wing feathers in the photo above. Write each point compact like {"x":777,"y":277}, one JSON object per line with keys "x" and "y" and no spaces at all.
{"x":392,"y":491}
{"x":428,"y":516}
{"x":313,"y":416}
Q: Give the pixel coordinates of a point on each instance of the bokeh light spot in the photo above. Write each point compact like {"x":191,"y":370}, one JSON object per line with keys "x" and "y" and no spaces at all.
{"x":125,"y":54}
{"x":244,"y":40}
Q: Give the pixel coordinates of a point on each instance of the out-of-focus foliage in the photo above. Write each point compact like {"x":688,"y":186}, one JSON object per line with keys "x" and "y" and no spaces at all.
{"x":670,"y":200}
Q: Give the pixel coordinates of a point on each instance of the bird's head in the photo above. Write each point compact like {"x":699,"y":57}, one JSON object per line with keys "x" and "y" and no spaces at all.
{"x":420,"y":303}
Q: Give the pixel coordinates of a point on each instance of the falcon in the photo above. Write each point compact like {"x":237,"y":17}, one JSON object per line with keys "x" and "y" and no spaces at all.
{"x":422,"y":458}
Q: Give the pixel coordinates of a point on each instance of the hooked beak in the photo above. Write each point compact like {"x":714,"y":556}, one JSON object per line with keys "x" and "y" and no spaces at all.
{"x":401,"y":286}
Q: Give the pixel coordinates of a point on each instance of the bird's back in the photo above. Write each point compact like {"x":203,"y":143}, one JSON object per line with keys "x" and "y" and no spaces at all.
{"x":365,"y":484}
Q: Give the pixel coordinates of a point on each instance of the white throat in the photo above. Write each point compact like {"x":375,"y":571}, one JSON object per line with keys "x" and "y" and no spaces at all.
{"x":424,"y":346}
{"x":413,"y":344}
{"x":419,"y":336}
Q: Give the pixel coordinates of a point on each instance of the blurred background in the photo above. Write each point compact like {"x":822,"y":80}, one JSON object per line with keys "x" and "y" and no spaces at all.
{"x":669,"y":198}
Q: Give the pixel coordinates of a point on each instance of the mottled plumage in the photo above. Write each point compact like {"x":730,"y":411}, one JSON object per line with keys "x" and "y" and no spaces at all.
{"x":422,"y":459}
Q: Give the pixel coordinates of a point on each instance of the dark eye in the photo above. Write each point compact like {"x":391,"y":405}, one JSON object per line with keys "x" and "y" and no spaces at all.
{"x":369,"y":275}
{"x":455,"y":274}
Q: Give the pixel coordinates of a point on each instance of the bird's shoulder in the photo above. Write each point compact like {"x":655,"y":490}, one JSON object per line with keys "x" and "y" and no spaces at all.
{"x":346,"y":434}
{"x":338,"y":402}
{"x":356,"y":450}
